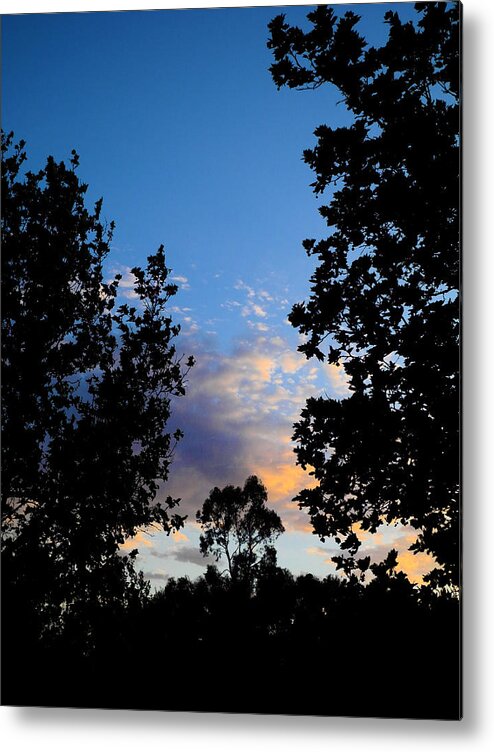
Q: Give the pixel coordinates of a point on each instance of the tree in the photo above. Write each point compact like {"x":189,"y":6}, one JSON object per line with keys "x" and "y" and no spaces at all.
{"x":86,"y":396}
{"x":239,"y":526}
{"x":384,"y":296}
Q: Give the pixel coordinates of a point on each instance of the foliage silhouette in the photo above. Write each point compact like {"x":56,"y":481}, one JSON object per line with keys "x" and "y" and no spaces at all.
{"x":238,"y":526}
{"x":384,"y":297}
{"x":272,"y":645}
{"x":293,"y":645}
{"x":86,"y":396}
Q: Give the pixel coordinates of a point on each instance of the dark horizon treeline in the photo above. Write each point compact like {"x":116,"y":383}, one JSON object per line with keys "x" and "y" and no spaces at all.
{"x":251,"y":637}
{"x":292,"y":645}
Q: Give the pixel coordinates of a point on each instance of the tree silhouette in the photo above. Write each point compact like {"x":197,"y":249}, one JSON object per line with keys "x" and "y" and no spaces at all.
{"x":384,"y":296}
{"x":238,"y":526}
{"x":298,"y":627}
{"x":86,"y":396}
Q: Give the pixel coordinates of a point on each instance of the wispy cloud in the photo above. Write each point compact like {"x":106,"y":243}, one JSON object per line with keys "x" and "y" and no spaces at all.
{"x":258,"y":326}
{"x":265,"y":295}
{"x":181,"y":280}
{"x":254,"y":309}
{"x":185,"y":554}
{"x":241,"y":285}
{"x":153,"y":576}
{"x":192,"y":555}
{"x":256,"y":303}
{"x":189,"y":326}
{"x":127,"y":282}
{"x":231,"y":304}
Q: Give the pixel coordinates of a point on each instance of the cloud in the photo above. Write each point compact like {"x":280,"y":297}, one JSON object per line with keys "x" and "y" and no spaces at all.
{"x":184,"y":554}
{"x":258,"y":326}
{"x":142,"y":538}
{"x":337,"y":378}
{"x":178,"y":536}
{"x":255,"y":303}
{"x":238,"y":413}
{"x":156,"y":576}
{"x":326,"y":553}
{"x":377,"y":546}
{"x":284,"y":480}
{"x":253,"y":309}
{"x":181,"y":280}
{"x":237,"y":417}
{"x":240,"y":407}
{"x":191,"y":555}
{"x":415,"y":566}
{"x":292,"y":361}
{"x":127,"y":282}
{"x":240,"y":285}
{"x":265,"y":295}
{"x":189,"y":326}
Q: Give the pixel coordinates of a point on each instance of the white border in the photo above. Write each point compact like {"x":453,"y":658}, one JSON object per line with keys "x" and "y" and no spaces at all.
{"x":81,"y":730}
{"x":45,"y":6}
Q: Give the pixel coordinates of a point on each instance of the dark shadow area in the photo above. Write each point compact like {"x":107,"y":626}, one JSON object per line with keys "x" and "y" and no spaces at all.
{"x":294,"y":646}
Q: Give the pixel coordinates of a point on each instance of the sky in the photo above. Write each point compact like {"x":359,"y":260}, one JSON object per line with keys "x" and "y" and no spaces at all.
{"x":180,"y":128}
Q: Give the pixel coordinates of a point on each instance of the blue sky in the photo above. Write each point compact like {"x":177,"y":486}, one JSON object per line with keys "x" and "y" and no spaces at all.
{"x":180,"y":128}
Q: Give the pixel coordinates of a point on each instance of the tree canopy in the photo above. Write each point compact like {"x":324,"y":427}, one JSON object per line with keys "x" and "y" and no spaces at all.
{"x":238,"y":526}
{"x":384,"y":301}
{"x":86,"y":396}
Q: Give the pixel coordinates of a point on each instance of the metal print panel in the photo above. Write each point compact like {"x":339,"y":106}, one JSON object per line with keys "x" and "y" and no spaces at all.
{"x":230,"y":405}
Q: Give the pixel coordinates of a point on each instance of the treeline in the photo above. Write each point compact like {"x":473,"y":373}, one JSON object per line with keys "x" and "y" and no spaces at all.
{"x":251,"y":637}
{"x":291,"y":645}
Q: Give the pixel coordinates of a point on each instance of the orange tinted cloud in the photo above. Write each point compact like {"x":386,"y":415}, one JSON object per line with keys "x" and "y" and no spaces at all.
{"x":319,"y":551}
{"x":292,"y":361}
{"x":178,"y":536}
{"x":284,"y":481}
{"x":415,"y":566}
{"x":377,"y":545}
{"x":138,"y":540}
{"x":238,"y":419}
